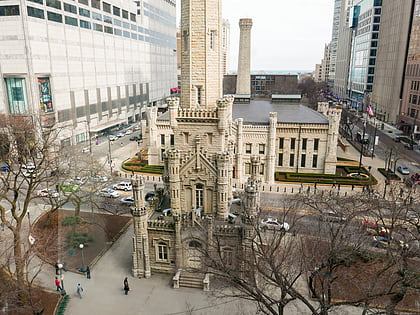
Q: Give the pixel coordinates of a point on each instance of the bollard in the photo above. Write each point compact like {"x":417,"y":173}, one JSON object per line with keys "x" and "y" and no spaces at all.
{"x":270,"y":188}
{"x":284,"y":189}
{"x":292,"y":190}
{"x":352,"y":187}
{"x":300,"y":190}
{"x":338,"y":193}
{"x":277,"y":188}
{"x":345,"y":194}
{"x":339,"y":186}
{"x":309,"y":189}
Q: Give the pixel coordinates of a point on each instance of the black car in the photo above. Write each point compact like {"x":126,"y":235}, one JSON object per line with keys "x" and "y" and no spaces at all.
{"x":134,"y":138}
{"x":5,"y":168}
{"x":149,"y":195}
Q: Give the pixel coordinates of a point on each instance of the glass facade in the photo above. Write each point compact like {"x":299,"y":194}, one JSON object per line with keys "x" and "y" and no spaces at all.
{"x":17,"y":97}
{"x":363,"y":55}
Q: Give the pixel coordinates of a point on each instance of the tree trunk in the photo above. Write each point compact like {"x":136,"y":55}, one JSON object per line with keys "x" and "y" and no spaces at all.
{"x":19,"y":261}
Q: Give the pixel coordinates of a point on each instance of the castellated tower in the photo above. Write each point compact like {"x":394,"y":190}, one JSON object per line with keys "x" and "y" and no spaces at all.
{"x":201,"y":57}
{"x":223,"y":166}
{"x":140,"y":256}
{"x":243,"y":83}
{"x":334,"y":116}
{"x":173,"y":160}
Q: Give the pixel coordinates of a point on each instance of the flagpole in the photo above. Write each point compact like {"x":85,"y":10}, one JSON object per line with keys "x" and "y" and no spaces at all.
{"x":361,"y":149}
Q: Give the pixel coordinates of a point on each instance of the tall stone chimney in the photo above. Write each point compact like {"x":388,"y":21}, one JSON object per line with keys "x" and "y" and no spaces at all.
{"x":243,"y":80}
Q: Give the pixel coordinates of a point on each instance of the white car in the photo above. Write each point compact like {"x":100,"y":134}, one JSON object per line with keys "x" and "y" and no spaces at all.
{"x":112,"y":138}
{"x":85,"y":150}
{"x":47,"y":193}
{"x":120,"y":134}
{"x":128,"y":200}
{"x":129,"y":132}
{"x":274,"y":224}
{"x":110,"y":193}
{"x":123,"y":186}
{"x":99,"y":178}
{"x":403,"y":170}
{"x":331,"y":216}
{"x":30,"y":167}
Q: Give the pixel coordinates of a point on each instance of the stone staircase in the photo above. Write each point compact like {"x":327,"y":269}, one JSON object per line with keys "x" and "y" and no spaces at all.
{"x":191,"y":280}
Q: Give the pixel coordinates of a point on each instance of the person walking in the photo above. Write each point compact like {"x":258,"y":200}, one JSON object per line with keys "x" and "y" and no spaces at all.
{"x":126,"y":287}
{"x":88,"y":272}
{"x":79,"y":290}
{"x":57,"y":284}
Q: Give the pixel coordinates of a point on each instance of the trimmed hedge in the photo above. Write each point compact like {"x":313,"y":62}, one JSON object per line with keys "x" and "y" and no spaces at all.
{"x":133,"y":166}
{"x":328,"y":178}
{"x":390,"y":175}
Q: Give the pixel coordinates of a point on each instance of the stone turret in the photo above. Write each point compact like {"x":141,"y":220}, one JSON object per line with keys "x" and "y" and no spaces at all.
{"x":334,"y":116}
{"x":255,"y":167}
{"x":174,"y":166}
{"x":173,"y":104}
{"x":271,"y":149}
{"x":252,"y":199}
{"x":243,"y":81}
{"x":140,"y":256}
{"x":223,"y":165}
{"x":323,"y":108}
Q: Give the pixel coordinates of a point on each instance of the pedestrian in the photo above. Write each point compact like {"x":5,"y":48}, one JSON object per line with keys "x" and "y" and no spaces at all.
{"x":57,"y":270}
{"x":57,"y":284}
{"x":79,"y":290}
{"x":126,"y":287}
{"x":88,"y":272}
{"x":2,"y":226}
{"x":122,"y":143}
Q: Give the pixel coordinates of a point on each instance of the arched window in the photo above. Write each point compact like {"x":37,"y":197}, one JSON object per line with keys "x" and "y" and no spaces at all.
{"x":194,"y":244}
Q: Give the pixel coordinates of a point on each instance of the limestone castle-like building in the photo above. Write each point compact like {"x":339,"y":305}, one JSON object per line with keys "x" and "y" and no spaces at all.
{"x":208,"y":144}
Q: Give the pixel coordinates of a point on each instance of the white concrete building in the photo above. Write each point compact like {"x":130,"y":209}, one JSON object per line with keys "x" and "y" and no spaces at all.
{"x":88,"y":65}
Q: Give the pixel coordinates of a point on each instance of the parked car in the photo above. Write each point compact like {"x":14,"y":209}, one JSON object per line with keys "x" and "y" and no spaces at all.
{"x":136,"y":127}
{"x":385,"y":242}
{"x":112,"y":137}
{"x":129,"y":132}
{"x":331,"y":216}
{"x":5,"y":168}
{"x":110,"y":193}
{"x":235,"y":201}
{"x":30,"y":173}
{"x":397,"y":139}
{"x":167,"y":212}
{"x":99,"y":178}
{"x":120,"y":134}
{"x":123,"y":186}
{"x":403,"y":170}
{"x":85,"y":150}
{"x":374,"y":229}
{"x":274,"y":224}
{"x":149,"y":195}
{"x":134,"y":138}
{"x":408,"y":146}
{"x":47,"y":193}
{"x":128,"y":200}
{"x":68,"y":187}
{"x":30,"y":167}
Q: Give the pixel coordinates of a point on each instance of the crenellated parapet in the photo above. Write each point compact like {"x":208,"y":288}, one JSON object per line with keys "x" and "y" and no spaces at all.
{"x":172,"y":154}
{"x":225,"y":101}
{"x":222,"y":157}
{"x":161,"y":225}
{"x":226,"y":229}
{"x":323,"y":108}
{"x":172,"y":102}
{"x":197,"y":112}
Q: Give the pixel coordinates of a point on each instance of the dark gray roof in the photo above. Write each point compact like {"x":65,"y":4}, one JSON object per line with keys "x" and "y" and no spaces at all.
{"x":259,"y":111}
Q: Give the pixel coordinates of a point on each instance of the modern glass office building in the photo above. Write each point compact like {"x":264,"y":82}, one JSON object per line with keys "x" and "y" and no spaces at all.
{"x":88,"y":65}
{"x":366,"y":18}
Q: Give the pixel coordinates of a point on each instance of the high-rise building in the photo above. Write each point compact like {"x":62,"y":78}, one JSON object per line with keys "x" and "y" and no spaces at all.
{"x":378,"y":50}
{"x":391,"y":58}
{"x":87,"y":65}
{"x":322,"y":70}
{"x":334,"y":41}
{"x":342,"y":59}
{"x":410,"y":106}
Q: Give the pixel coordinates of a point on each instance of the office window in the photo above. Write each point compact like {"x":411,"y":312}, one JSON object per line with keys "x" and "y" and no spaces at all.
{"x":375,"y":35}
{"x":370,"y":79}
{"x":84,"y":2}
{"x":373,"y":52}
{"x":292,"y":143}
{"x":16,"y":94}
{"x":97,"y":27}
{"x":108,"y":29}
{"x":126,"y":25}
{"x":172,"y":139}
{"x":132,"y":17}
{"x":162,"y":139}
{"x":106,"y":7}
{"x":38,"y":13}
{"x":248,"y":148}
{"x":96,"y":16}
{"x":212,"y":39}
{"x":378,"y":10}
{"x":54,"y":4}
{"x":117,"y":32}
{"x":70,"y":8}
{"x":85,"y":24}
{"x":126,"y":34}
{"x":55,"y":17}
{"x":280,"y":160}
{"x":372,"y":61}
{"x":107,"y":19}
{"x":96,"y":4}
{"x":316,"y":144}
{"x":303,"y":160}
{"x":292,"y":160}
{"x":133,"y":36}
{"x":37,"y":1}
{"x":281,"y":143}
{"x":315,"y":161}
{"x":117,"y":22}
{"x":261,"y":148}
{"x":304,"y":143}
{"x":375,"y":27}
{"x":125,"y":14}
{"x":247,"y":168}
{"x":84,"y":12}
{"x":9,"y":10}
{"x":116,"y":11}
{"x":70,"y":21}
{"x":371,"y":70}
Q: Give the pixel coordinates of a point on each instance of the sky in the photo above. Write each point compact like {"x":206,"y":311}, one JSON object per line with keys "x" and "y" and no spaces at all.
{"x":286,"y":34}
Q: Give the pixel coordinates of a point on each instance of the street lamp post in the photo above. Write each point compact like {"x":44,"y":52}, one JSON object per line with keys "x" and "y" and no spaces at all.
{"x":83,"y":256}
{"x":109,"y":156}
{"x":361,"y":149}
